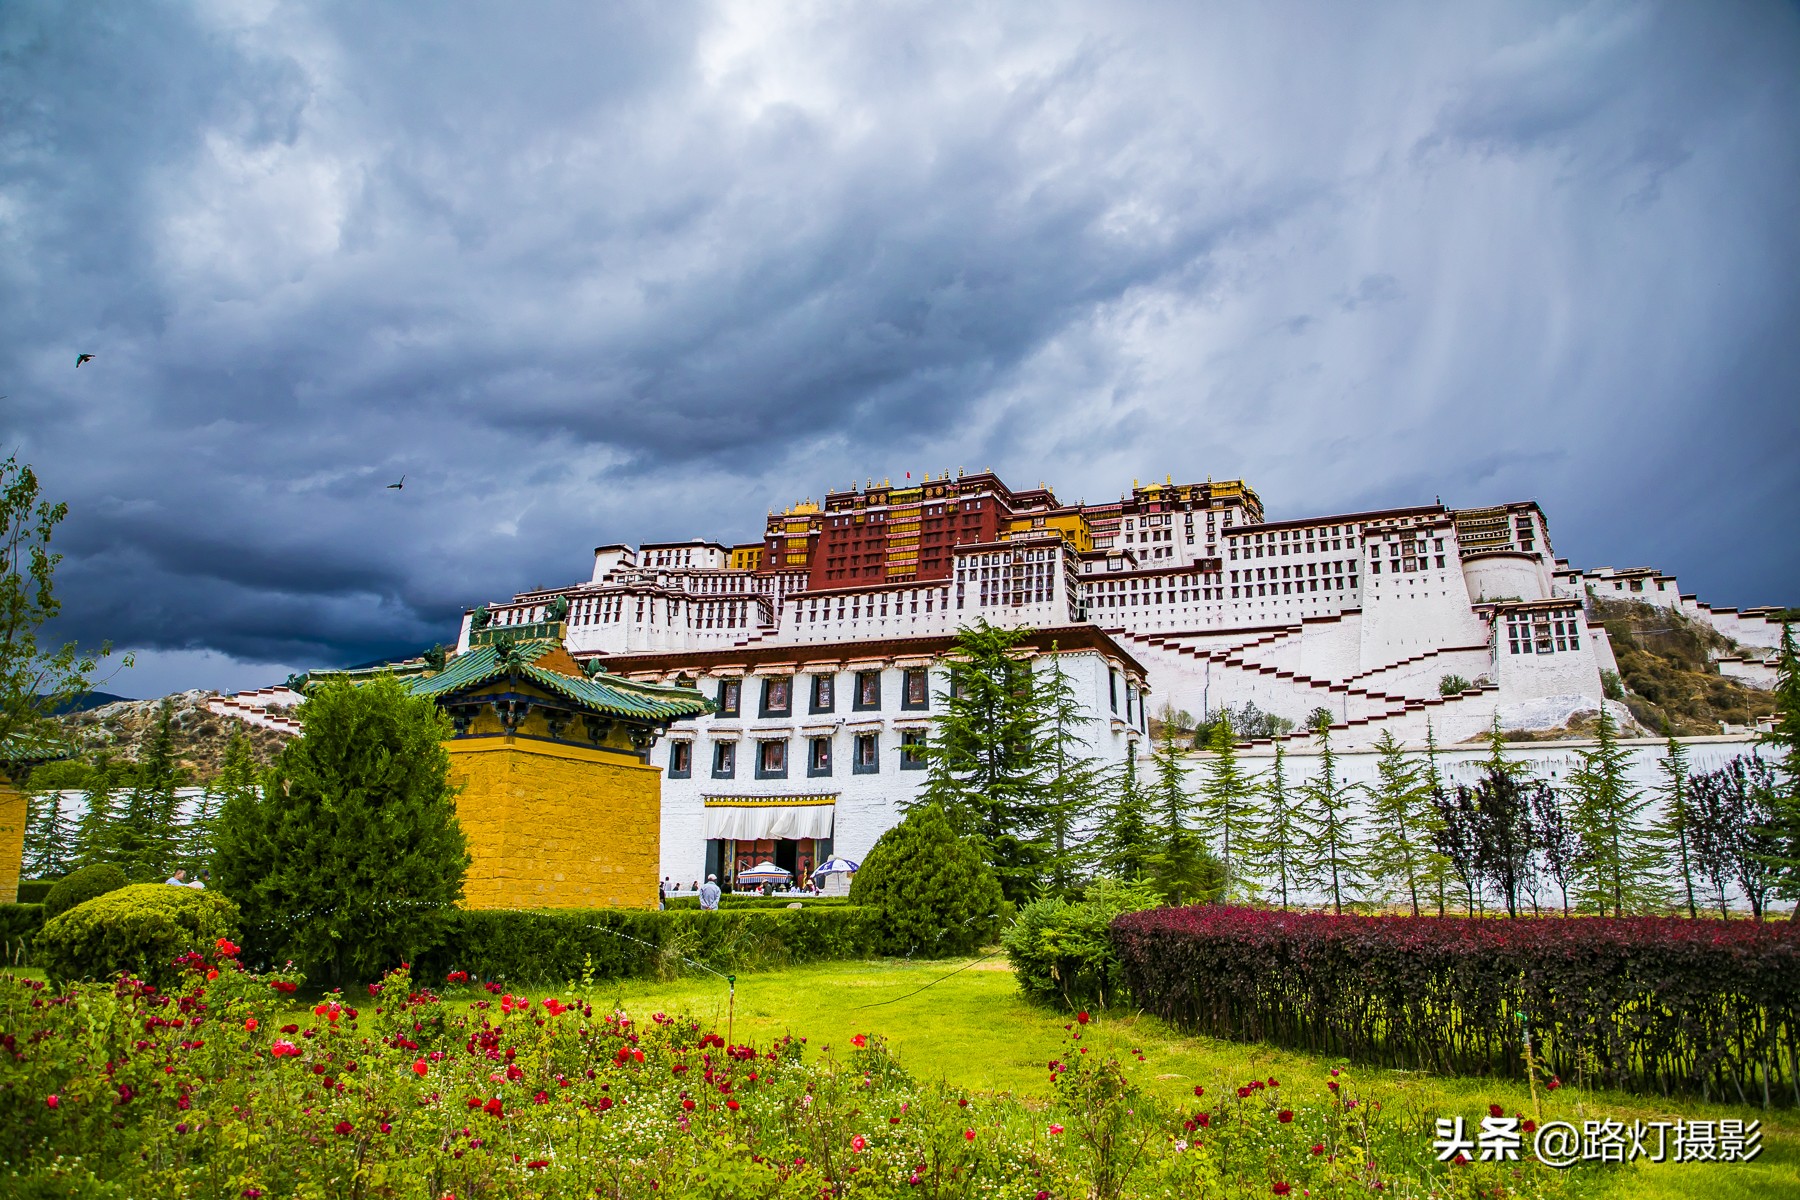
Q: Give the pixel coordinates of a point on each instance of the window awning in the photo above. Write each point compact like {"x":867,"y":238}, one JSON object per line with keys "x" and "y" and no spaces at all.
{"x":754,"y":819}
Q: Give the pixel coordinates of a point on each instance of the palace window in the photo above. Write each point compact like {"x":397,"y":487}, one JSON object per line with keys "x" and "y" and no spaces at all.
{"x":912,"y":750}
{"x":730,"y":692}
{"x":916,"y":692}
{"x":771,"y":759}
{"x":818,"y":756}
{"x":868,"y":691}
{"x":777,"y":697}
{"x":724,"y":760}
{"x":867,"y":760}
{"x":824,"y":693}
{"x":681,"y":760}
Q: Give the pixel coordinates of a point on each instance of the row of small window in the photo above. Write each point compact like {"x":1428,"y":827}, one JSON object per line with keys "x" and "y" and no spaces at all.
{"x":1279,"y":548}
{"x":1334,"y":584}
{"x":1339,"y":567}
{"x":1182,"y":596}
{"x":1398,"y":565}
{"x":815,"y":610}
{"x":772,"y":756}
{"x":778,"y":693}
{"x":1542,"y":635}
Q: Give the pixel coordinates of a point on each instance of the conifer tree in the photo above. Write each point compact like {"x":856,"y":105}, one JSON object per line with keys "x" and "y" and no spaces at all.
{"x":148,"y":835}
{"x":1557,"y":845}
{"x":1327,"y":818}
{"x":346,"y":858}
{"x":1606,"y":812}
{"x":1275,"y":849}
{"x":1437,"y":867}
{"x":1226,"y":810}
{"x":1124,"y":848}
{"x":1183,"y":870}
{"x":985,"y":758}
{"x":1781,"y":830}
{"x":97,"y":832}
{"x":934,"y":895}
{"x":1073,"y":784}
{"x":1674,"y":828}
{"x":1399,"y":840}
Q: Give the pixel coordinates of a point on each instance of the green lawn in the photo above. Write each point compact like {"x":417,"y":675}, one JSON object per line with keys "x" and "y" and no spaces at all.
{"x":973,"y":1030}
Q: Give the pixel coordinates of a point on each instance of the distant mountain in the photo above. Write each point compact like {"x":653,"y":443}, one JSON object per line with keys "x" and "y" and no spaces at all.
{"x":122,"y":727}
{"x":86,"y":701}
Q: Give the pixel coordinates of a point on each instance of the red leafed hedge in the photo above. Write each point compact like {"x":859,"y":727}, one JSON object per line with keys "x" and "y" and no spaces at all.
{"x":1657,"y":1004}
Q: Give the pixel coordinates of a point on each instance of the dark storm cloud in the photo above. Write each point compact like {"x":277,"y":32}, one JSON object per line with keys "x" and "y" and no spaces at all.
{"x":592,"y":273}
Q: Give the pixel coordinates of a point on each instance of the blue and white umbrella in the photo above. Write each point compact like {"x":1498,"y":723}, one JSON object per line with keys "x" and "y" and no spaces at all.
{"x":766,"y":872}
{"x":836,"y":866}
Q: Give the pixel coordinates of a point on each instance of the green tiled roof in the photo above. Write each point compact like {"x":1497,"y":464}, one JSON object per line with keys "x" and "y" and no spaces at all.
{"x":607,"y":694}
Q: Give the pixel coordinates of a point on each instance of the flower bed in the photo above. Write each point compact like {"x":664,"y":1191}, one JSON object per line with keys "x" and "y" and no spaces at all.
{"x":397,"y":1092}
{"x":1645,"y":1003}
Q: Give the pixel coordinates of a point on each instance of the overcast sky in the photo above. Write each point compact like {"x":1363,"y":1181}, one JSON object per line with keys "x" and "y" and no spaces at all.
{"x":615,"y":272}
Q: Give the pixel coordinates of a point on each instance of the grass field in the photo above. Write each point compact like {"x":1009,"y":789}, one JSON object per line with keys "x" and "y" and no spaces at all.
{"x":971,"y":1028}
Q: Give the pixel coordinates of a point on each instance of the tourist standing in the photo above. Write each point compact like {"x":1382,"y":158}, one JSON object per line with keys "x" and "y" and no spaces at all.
{"x":178,"y":879}
{"x":709,"y":893}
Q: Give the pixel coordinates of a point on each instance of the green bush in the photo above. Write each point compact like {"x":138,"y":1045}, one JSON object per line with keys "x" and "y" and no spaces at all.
{"x":19,"y":924}
{"x":934,"y":895}
{"x":690,"y":902}
{"x":35,"y":891}
{"x":1453,"y":685}
{"x":1060,"y":950}
{"x":141,"y":929}
{"x":78,"y":887}
{"x":558,"y":945}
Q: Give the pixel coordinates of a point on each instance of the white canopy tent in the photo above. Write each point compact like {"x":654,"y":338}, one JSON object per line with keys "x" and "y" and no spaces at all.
{"x":737,"y":819}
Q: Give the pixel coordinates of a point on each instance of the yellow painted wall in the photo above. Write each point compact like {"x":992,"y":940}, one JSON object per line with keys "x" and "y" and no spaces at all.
{"x":556,"y":826}
{"x":12,"y":840}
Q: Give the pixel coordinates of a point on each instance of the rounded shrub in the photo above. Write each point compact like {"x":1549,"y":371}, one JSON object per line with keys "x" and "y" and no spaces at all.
{"x":141,"y":929}
{"x":1061,"y":952}
{"x":78,"y":887}
{"x":934,"y":894}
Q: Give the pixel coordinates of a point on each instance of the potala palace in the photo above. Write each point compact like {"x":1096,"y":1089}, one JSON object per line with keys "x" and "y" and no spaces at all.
{"x":822,"y":647}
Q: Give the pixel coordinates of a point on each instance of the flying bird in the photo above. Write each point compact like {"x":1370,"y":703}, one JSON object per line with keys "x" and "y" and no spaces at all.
{"x":394,"y":487}
{"x":81,"y":358}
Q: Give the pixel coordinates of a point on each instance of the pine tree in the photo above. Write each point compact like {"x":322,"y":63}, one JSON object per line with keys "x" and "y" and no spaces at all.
{"x":934,"y":895}
{"x":97,"y":833}
{"x":1073,"y":785}
{"x":1606,"y":812}
{"x":1781,"y":829}
{"x":238,"y":775}
{"x":1399,"y":841}
{"x":1674,"y":829}
{"x":1123,"y":848}
{"x":1557,"y":845}
{"x":1327,"y":818}
{"x":985,"y":758}
{"x":1437,"y":867}
{"x":345,"y":860}
{"x":148,"y":835}
{"x":1275,"y":849}
{"x":50,"y":845}
{"x":1182,"y":869}
{"x":1226,"y":810}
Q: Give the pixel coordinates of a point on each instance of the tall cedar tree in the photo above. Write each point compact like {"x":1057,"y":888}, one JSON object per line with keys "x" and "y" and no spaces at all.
{"x":1275,"y":849}
{"x":347,"y":858}
{"x":1226,"y":810}
{"x":1395,"y":857}
{"x":1125,"y":848}
{"x":1606,"y":811}
{"x":149,"y":828}
{"x":985,"y":758}
{"x":1331,"y":825}
{"x":1458,"y":841}
{"x":1437,"y":868}
{"x":1557,"y":846}
{"x":1674,"y":828}
{"x":50,"y":848}
{"x":1184,"y":872}
{"x":97,"y":833}
{"x":238,"y":775}
{"x":1733,"y":817}
{"x":1073,"y":785}
{"x":35,"y":683}
{"x":1783,"y":826}
{"x":1502,"y":805}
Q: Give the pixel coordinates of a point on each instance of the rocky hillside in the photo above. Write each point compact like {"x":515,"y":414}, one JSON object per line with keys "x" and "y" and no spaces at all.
{"x":1666,"y":662}
{"x":201,"y":736}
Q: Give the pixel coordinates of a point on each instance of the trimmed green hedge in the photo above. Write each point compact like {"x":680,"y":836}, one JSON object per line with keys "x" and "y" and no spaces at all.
{"x":559,"y":945}
{"x":689,"y":902}
{"x":35,"y":891}
{"x":78,"y":887}
{"x":142,"y":929}
{"x":19,"y":924}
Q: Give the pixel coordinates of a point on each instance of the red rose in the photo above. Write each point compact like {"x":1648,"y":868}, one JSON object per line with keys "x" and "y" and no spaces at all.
{"x":1285,"y":1115}
{"x":1081,"y":1018}
{"x":1280,"y":1189}
{"x":53,"y":1101}
{"x":1494,"y":1110}
{"x":420,"y":1066}
{"x":342,"y":1127}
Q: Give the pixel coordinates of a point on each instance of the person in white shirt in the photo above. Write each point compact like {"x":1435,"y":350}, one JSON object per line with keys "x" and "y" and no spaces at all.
{"x":178,"y":879}
{"x":709,"y":893}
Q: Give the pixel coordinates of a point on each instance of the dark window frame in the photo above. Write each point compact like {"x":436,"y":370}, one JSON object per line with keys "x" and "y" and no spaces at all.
{"x":857,"y":704}
{"x":679,"y":751}
{"x":922,"y":676}
{"x":767,"y":708}
{"x":734,"y":689}
{"x":826,"y":681}
{"x":857,"y":766}
{"x":724,"y":764}
{"x":912,"y":742}
{"x":763,"y":770}
{"x":814,"y":768}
